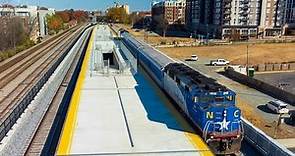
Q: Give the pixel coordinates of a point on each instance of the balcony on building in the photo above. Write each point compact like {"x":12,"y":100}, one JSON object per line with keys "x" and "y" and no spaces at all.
{"x":243,"y":13}
{"x":227,"y":18}
{"x":227,"y":1}
{"x":226,"y":11}
{"x":245,"y":2}
{"x":227,"y":6}
{"x":244,"y":7}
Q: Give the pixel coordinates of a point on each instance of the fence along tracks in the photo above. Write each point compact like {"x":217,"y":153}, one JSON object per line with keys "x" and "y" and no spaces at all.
{"x":20,"y":78}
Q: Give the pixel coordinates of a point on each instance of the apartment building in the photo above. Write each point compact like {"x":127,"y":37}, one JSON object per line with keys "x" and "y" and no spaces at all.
{"x":289,"y":18}
{"x":172,"y":11}
{"x":272,"y":17}
{"x":222,"y":18}
{"x":245,"y":18}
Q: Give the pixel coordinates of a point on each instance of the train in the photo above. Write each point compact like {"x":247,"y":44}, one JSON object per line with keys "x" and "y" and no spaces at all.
{"x":208,"y":105}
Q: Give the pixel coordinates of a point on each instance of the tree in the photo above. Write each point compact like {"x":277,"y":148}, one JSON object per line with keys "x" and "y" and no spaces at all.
{"x":80,"y":16}
{"x":70,"y":15}
{"x":55,"y":23}
{"x":12,"y":32}
{"x":160,"y":23}
{"x":118,"y":15}
{"x":64,"y":15}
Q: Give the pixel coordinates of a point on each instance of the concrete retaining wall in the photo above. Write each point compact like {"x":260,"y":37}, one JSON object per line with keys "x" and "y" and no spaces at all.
{"x":260,"y":67}
{"x":275,"y":67}
{"x":263,"y":143}
{"x":262,"y":86}
{"x":292,"y":66}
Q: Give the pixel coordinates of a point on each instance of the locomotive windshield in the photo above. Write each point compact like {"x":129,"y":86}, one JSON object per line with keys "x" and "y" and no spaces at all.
{"x":214,"y":100}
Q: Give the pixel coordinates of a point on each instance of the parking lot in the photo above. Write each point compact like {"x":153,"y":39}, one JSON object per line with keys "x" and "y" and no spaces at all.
{"x":284,"y":80}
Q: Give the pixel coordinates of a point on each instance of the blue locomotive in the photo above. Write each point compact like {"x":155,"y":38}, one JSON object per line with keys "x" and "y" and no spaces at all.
{"x":209,"y":105}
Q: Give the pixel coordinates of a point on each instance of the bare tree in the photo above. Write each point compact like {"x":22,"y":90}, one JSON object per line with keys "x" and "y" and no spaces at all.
{"x":12,"y":32}
{"x":161,"y":23}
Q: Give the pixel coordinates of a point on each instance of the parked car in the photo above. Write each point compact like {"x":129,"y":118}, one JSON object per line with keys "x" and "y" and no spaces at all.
{"x":193,"y":58}
{"x":219,"y":62}
{"x":278,"y":106}
{"x":292,"y":116}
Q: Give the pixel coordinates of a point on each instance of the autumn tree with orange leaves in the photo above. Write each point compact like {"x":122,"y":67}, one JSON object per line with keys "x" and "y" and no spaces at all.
{"x":55,"y":23}
{"x":64,"y":15}
{"x":61,"y":19}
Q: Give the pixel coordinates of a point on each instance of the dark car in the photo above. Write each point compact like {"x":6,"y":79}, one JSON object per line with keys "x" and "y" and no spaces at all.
{"x":292,"y":116}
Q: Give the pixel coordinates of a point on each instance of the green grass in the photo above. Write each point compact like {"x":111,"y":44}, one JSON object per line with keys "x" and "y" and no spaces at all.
{"x":11,"y":52}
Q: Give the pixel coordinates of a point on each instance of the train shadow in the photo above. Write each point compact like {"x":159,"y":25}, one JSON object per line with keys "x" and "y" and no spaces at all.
{"x":158,"y":107}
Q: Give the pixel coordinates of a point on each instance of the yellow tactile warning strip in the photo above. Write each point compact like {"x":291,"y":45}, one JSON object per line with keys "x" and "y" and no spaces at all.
{"x":199,"y":144}
{"x":65,"y":142}
{"x":193,"y":138}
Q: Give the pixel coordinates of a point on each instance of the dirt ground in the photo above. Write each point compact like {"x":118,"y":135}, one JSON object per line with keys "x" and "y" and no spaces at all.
{"x":155,"y":39}
{"x":237,"y":54}
{"x":271,"y":129}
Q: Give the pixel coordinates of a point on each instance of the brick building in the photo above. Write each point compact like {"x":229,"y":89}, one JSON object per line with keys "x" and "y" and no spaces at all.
{"x":222,"y":18}
{"x":172,"y":11}
{"x":254,"y":18}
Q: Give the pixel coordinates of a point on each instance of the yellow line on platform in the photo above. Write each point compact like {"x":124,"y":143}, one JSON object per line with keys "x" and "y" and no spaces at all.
{"x":199,"y":144}
{"x":64,"y":146}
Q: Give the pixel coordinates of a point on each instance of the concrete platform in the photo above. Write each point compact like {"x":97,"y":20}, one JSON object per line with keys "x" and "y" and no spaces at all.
{"x":123,"y":114}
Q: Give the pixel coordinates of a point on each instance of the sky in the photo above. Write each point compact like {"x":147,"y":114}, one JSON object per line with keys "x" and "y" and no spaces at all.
{"x":135,"y":5}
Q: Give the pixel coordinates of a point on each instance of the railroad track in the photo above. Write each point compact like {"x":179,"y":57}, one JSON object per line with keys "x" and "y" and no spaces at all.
{"x":10,"y":73}
{"x":38,"y":141}
{"x":4,"y":65}
{"x":15,"y":89}
{"x":17,"y":84}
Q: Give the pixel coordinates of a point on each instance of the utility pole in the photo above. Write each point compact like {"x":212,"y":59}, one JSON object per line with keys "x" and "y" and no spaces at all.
{"x":248,"y":36}
{"x":247,"y":66}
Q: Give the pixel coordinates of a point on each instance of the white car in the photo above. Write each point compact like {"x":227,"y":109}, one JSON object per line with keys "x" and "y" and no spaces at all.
{"x":194,"y":58}
{"x":219,"y":62}
{"x":278,"y":106}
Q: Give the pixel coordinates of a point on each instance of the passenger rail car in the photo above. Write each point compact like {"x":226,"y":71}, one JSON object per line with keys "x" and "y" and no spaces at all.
{"x":209,"y":105}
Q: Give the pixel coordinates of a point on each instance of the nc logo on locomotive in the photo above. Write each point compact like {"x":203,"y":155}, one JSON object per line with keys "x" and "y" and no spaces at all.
{"x":210,"y":115}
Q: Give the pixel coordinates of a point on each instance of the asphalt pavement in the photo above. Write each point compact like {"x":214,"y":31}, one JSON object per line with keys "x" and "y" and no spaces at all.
{"x":284,"y":80}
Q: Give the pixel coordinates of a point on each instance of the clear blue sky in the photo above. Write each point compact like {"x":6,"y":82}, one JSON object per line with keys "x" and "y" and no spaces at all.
{"x":135,"y":5}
